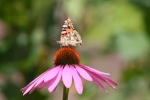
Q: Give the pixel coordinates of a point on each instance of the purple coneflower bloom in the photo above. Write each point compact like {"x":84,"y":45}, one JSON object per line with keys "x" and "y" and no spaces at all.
{"x":67,"y":68}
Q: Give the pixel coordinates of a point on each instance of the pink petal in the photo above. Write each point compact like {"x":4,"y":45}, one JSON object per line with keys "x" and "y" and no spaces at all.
{"x":30,"y":84}
{"x":67,"y":76}
{"x":77,"y":80}
{"x":106,"y":80}
{"x":94,"y":70}
{"x":35,"y":80}
{"x":101,"y":77}
{"x":32,"y":90}
{"x":83,"y":73}
{"x":52,"y":73}
{"x":56,"y":81}
{"x":33,"y":84}
{"x":40,"y":80}
{"x":51,"y":82}
{"x":109,"y":80}
{"x":99,"y":84}
{"x":29,"y":88}
{"x":42,"y":85}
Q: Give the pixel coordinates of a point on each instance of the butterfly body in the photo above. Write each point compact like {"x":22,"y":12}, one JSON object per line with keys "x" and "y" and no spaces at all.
{"x":69,"y":36}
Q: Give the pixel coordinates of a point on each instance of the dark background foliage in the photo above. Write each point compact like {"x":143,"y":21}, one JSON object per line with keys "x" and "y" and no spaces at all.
{"x":116,"y":39}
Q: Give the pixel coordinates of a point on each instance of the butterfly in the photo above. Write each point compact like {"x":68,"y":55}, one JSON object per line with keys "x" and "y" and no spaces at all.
{"x":69,"y":36}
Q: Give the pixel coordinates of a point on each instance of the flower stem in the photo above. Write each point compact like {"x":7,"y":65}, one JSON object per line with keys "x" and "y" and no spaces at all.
{"x":65,"y":93}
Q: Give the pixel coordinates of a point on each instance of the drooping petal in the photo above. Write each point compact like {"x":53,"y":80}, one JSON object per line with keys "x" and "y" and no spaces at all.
{"x":77,"y":80}
{"x":40,"y":80}
{"x":42,"y":85}
{"x":101,"y":77}
{"x":110,"y":80}
{"x":55,"y":81}
{"x":52,"y":73}
{"x":105,"y":79}
{"x":67,"y":76}
{"x":29,"y":88}
{"x":98,"y":83}
{"x":83,"y":73}
{"x":51,"y":82}
{"x":35,"y":80}
{"x":26,"y":87}
{"x":93,"y":70}
{"x":32,"y":90}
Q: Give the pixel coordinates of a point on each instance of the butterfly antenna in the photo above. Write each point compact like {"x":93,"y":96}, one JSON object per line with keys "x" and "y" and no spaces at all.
{"x":52,"y":38}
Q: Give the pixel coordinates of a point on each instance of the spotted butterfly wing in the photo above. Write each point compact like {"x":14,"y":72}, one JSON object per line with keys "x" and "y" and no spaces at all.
{"x":69,"y":36}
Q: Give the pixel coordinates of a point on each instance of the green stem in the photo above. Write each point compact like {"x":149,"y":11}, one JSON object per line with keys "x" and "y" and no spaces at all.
{"x":65,"y":93}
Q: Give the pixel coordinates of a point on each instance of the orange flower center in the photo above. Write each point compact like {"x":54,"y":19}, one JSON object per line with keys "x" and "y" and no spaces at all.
{"x":66,"y":55}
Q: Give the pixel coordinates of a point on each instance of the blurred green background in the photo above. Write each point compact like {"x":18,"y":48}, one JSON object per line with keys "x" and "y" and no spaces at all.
{"x":116,"y":39}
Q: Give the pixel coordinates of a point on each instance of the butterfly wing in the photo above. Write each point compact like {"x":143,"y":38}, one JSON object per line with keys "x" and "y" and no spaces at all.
{"x":69,"y":36}
{"x":75,"y":39}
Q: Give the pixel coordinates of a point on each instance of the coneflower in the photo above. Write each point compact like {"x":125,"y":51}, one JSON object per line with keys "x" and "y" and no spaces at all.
{"x":67,"y":68}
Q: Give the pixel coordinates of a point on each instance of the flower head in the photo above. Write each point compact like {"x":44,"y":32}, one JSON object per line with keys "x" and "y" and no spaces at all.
{"x":68,"y":68}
